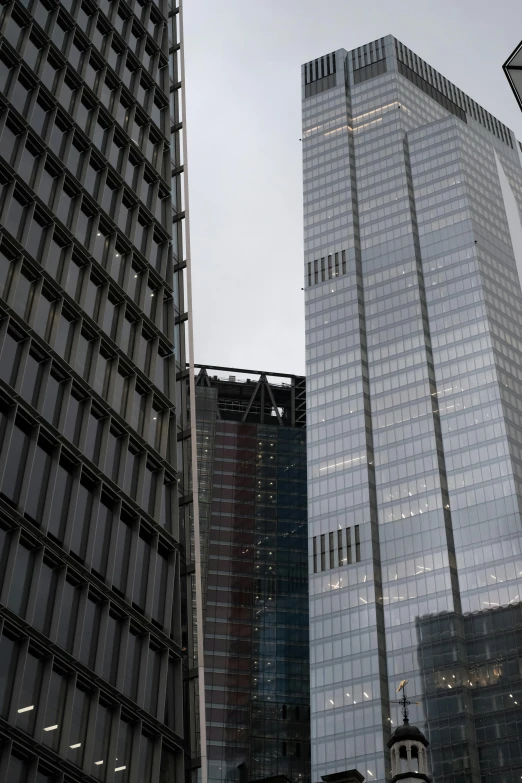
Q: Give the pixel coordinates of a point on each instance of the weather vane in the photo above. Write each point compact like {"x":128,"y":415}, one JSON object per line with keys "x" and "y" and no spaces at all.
{"x":404,"y":702}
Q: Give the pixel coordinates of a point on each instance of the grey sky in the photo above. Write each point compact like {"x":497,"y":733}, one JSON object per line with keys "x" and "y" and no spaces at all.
{"x":243,"y":61}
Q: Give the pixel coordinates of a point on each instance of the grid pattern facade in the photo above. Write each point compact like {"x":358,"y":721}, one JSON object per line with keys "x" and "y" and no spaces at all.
{"x":253,"y":510}
{"x":96,"y":665}
{"x":414,"y":360}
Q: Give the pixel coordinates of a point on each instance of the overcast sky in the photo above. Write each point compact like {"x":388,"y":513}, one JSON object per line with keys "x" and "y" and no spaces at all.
{"x":243,"y":60}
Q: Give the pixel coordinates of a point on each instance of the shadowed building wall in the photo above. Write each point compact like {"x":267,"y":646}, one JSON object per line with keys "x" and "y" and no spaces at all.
{"x":251,"y":458}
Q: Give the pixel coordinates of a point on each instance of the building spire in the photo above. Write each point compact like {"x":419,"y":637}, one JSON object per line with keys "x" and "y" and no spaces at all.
{"x":404,"y":702}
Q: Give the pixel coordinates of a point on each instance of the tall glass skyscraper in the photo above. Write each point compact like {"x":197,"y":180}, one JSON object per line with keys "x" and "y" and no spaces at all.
{"x":252,"y":464}
{"x":413,"y":265}
{"x":97,"y":672}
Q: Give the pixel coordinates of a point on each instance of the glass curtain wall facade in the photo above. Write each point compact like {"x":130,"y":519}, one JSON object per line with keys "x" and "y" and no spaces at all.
{"x":95,"y":616}
{"x":412,"y":203}
{"x":252,"y":493}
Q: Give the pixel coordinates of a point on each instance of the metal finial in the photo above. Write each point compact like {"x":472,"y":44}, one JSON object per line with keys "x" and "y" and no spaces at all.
{"x":404,"y":702}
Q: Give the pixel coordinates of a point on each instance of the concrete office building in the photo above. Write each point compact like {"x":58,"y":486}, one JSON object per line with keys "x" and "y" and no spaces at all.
{"x":97,"y":671}
{"x":412,"y":202}
{"x":252,"y":494}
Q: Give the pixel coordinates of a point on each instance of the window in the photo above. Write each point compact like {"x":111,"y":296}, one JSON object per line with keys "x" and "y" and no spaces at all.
{"x":140,"y":233}
{"x":101,"y":741}
{"x":132,"y":665}
{"x":102,"y":375}
{"x":357,"y":544}
{"x":23,"y":296}
{"x":151,"y":298}
{"x":94,"y":434}
{"x":83,"y":355}
{"x":154,"y":438}
{"x":153,"y":679}
{"x":52,"y":402}
{"x":78,"y":726}
{"x":85,"y":113}
{"x":56,"y":255}
{"x":134,"y":282}
{"x":47,"y":187}
{"x":110,"y":316}
{"x":32,"y":51}
{"x":68,"y":615}
{"x":102,"y":240}
{"x":151,"y":480}
{"x":15,"y":463}
{"x":10,"y":140}
{"x":10,"y":357}
{"x":49,"y":71}
{"x":39,"y":482}
{"x":64,"y":335}
{"x":92,"y":295}
{"x":92,"y":175}
{"x":141,"y":575}
{"x":53,"y":721}
{"x":14,"y":29}
{"x":30,"y":692}
{"x":160,"y":587}
{"x":41,"y":320}
{"x":61,"y":499}
{"x":90,"y":631}
{"x":132,"y":169}
{"x":121,"y":386}
{"x":139,"y":407}
{"x":122,"y":556}
{"x":161,"y":374}
{"x":21,"y":92}
{"x":115,"y":153}
{"x":132,"y":466}
{"x":124,"y":750}
{"x":112,"y":648}
{"x":82,"y":518}
{"x":100,"y":134}
{"x":113,"y":453}
{"x":5,"y":272}
{"x":65,"y":208}
{"x":15,"y":219}
{"x":57,"y":141}
{"x":74,"y":417}
{"x":36,"y":235}
{"x":146,"y":754}
{"x":45,"y":597}
{"x":83,"y":224}
{"x":8,"y":660}
{"x":102,"y":537}
{"x":21,"y":579}
{"x":18,"y":769}
{"x":168,"y":517}
{"x":76,"y":158}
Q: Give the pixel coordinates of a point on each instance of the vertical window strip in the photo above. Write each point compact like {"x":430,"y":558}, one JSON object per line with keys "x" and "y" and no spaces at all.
{"x":331,"y":538}
{"x":314,"y":543}
{"x":322,"y":271}
{"x":309,"y":273}
{"x":329,"y":267}
{"x":348,"y":546}
{"x":357,"y":544}
{"x":316,"y":271}
{"x":343,"y":261}
{"x":337,"y":264}
{"x":323,"y":552}
{"x":340,"y":547}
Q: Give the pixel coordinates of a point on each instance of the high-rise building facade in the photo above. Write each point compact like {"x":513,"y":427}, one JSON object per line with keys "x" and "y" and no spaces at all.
{"x":96,"y":661}
{"x":412,"y":203}
{"x":252,"y":495}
